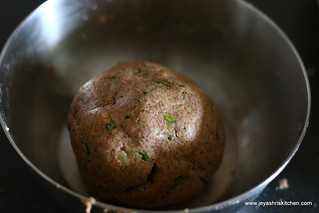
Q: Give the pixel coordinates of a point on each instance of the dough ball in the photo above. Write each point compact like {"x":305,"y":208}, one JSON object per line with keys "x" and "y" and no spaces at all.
{"x":145,"y":135}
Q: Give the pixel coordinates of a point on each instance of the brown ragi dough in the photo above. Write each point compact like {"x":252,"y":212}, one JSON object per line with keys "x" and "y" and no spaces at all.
{"x":145,"y":135}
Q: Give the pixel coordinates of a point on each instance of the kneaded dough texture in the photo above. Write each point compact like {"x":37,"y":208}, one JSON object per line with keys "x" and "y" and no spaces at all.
{"x":145,"y":135}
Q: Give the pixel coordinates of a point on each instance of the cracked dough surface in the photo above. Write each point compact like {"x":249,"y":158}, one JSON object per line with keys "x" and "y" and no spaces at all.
{"x":145,"y":135}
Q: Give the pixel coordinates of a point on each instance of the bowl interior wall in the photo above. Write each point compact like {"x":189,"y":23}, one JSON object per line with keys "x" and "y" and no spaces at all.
{"x":230,"y":51}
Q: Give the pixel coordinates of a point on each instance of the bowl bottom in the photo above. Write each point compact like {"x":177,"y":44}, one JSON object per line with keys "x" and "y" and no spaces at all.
{"x":215,"y":190}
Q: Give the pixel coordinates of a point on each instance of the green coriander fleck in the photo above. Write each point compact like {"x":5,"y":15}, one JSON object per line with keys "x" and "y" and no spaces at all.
{"x":136,"y":72}
{"x":137,"y":138}
{"x":111,"y":126}
{"x":139,"y":101}
{"x":169,"y":118}
{"x":217,"y":135}
{"x":178,"y":178}
{"x":169,"y":138}
{"x":169,"y":82}
{"x":144,"y":65}
{"x":181,"y":85}
{"x":144,"y":155}
{"x":149,"y":90}
{"x":213,"y":110}
{"x":112,"y":77}
{"x":86,"y":148}
{"x":160,"y":70}
{"x":165,"y":84}
{"x":127,"y":117}
{"x":147,"y":74}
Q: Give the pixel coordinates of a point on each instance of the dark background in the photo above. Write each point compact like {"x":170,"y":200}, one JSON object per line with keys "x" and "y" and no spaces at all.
{"x":299,"y":19}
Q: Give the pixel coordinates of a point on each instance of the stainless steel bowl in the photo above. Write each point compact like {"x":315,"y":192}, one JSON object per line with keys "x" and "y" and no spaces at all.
{"x":233,"y":51}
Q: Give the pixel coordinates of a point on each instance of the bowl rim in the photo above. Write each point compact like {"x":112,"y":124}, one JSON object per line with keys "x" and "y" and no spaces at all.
{"x":216,"y":206}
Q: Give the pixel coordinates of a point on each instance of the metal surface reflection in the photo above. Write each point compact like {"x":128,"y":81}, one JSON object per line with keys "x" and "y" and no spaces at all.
{"x":238,"y":56}
{"x":50,"y":28}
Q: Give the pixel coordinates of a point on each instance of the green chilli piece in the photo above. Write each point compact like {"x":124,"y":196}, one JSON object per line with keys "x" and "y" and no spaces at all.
{"x":181,"y":85}
{"x":139,"y":101}
{"x":149,"y":90}
{"x":217,"y":135}
{"x":144,"y":155}
{"x":169,"y":118}
{"x":166,"y":85}
{"x":111,"y":126}
{"x":86,"y":148}
{"x":112,"y":77}
{"x":178,"y":178}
